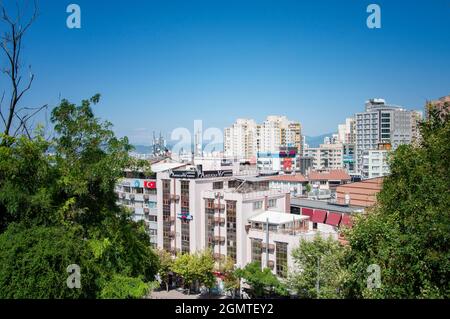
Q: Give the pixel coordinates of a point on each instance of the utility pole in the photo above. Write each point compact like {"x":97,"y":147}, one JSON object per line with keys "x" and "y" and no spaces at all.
{"x":267,"y":242}
{"x":318,"y":277}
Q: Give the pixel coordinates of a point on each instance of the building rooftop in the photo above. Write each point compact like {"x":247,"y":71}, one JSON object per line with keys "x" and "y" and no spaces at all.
{"x":276,"y":218}
{"x":323,"y":205}
{"x":161,"y":167}
{"x":335,"y":175}
{"x":297,"y":178}
{"x":362,"y":193}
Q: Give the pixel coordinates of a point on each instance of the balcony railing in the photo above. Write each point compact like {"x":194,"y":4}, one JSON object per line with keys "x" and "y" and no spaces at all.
{"x":271,"y":246}
{"x":219,"y":220}
{"x":219,"y":239}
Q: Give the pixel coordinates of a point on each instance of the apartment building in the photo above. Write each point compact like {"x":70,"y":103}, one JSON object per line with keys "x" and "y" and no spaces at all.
{"x":210,"y":209}
{"x":244,"y":139}
{"x":375,"y":163}
{"x":326,"y":156}
{"x":284,"y":160}
{"x":382,"y":123}
{"x":295,"y":184}
{"x":240,"y":140}
{"x":138,"y":192}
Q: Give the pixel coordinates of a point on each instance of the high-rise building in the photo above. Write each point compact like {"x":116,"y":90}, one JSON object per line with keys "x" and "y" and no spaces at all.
{"x":346,"y":136}
{"x":240,"y":140}
{"x":244,"y":139}
{"x":382,"y":123}
{"x":326,"y":156}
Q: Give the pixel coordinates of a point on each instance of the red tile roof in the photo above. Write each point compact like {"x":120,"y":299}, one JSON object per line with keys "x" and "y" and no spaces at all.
{"x":334,"y":175}
{"x":297,"y":178}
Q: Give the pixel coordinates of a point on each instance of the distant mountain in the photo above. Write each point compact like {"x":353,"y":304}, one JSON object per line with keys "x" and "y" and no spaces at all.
{"x":142,"y":149}
{"x":315,"y":141}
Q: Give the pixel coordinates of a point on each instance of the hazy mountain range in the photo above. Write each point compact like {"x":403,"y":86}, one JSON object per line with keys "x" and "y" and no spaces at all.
{"x":312,"y":141}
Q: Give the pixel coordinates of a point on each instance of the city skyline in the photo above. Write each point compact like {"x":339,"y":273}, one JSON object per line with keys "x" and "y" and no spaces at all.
{"x":157,"y":62}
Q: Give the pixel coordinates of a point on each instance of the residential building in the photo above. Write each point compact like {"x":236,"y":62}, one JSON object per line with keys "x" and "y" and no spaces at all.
{"x":328,"y":179}
{"x":375,"y":163}
{"x":326,"y":156}
{"x":295,"y":184}
{"x":240,"y":140}
{"x":138,"y":192}
{"x":284,"y":160}
{"x":382,"y":123}
{"x":360,"y":194}
{"x":209,"y":209}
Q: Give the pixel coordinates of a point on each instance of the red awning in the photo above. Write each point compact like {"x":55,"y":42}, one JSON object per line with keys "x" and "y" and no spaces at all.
{"x":319,"y":216}
{"x":346,"y":220}
{"x":333,"y":219}
{"x":307,"y":212}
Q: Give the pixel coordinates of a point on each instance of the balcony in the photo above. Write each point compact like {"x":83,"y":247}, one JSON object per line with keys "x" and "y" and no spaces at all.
{"x":219,"y":239}
{"x":219,"y":207}
{"x":146,"y":197}
{"x":270,"y":246}
{"x":271,"y":264}
{"x":219,"y":220}
{"x":175,"y":198}
{"x":146,"y":210}
{"x":172,"y":234}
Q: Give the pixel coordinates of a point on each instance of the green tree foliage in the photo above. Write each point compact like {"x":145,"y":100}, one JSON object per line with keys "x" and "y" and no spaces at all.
{"x":408,"y":233}
{"x":122,"y":287}
{"x":195,"y":268}
{"x":33,"y":263}
{"x":165,"y":266}
{"x":67,"y":184}
{"x":230,"y":279}
{"x":262,"y":282}
{"x":323,"y":261}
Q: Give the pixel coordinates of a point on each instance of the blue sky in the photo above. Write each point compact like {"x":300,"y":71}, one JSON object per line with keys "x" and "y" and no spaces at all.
{"x":162,"y":64}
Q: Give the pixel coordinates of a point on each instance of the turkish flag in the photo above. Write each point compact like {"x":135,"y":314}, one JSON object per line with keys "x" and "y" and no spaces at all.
{"x":150,"y":184}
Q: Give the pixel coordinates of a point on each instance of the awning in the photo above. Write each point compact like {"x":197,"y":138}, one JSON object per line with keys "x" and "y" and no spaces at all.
{"x":333,"y":219}
{"x":346,"y":220}
{"x":319,"y":216}
{"x":307,"y":211}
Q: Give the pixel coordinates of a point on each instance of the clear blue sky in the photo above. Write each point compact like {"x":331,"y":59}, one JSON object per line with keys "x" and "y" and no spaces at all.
{"x":162,"y":64}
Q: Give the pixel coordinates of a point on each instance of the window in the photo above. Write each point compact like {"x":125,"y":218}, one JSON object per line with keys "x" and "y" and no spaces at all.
{"x":231,"y":230}
{"x":314,"y":225}
{"x":256,"y":251}
{"x":152,"y":218}
{"x":218,"y":185}
{"x":272,"y":203}
{"x":281,"y":259}
{"x":257,"y":205}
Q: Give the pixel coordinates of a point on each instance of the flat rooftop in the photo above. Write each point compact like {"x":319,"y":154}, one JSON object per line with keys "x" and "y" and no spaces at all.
{"x":276,"y":218}
{"x":317,"y":204}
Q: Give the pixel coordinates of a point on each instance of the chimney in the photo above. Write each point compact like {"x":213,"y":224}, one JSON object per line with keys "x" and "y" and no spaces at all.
{"x":288,"y":203}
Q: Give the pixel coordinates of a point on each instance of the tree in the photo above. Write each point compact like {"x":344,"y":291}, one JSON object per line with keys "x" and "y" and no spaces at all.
{"x":16,"y":118}
{"x":320,"y":265}
{"x":262,"y":282}
{"x":72,"y":190}
{"x":308,"y":188}
{"x":408,"y":233}
{"x":195,"y":268}
{"x":231,"y":281}
{"x":165,"y":266}
{"x":34,"y":261}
